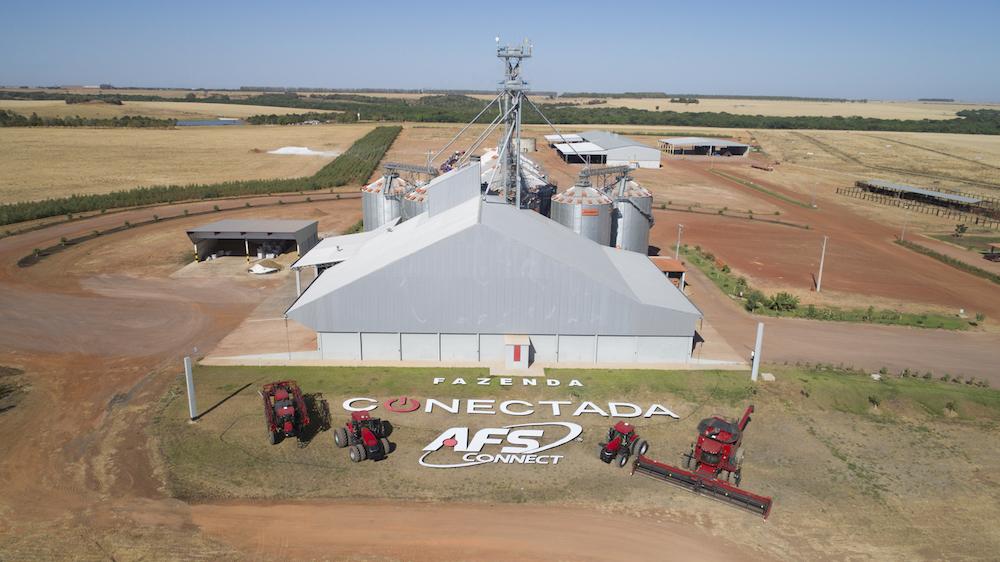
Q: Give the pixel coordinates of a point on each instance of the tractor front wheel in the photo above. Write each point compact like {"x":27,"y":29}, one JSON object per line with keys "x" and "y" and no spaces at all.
{"x":642,"y":447}
{"x":623,"y":460}
{"x":357,"y":453}
{"x":340,"y":437}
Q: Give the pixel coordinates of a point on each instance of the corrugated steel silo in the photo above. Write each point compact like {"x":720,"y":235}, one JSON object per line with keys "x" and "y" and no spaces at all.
{"x":414,"y":203}
{"x":586,"y":211}
{"x":633,"y":218}
{"x":377,"y":207}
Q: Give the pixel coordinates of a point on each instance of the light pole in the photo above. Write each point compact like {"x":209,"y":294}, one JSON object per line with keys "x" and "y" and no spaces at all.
{"x":677,"y":250}
{"x":822,"y":257}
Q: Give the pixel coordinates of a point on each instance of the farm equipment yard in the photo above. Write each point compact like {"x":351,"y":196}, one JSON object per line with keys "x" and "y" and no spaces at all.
{"x":512,"y":323}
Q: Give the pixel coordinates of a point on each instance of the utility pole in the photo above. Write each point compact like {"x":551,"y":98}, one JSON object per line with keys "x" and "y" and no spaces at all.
{"x":755,"y":367}
{"x":677,"y":250}
{"x":822,"y":257}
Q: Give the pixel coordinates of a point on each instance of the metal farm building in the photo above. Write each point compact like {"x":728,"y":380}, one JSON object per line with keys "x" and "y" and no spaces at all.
{"x":449,"y":286}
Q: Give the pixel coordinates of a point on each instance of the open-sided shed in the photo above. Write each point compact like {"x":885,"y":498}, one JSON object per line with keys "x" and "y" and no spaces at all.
{"x":253,"y":237}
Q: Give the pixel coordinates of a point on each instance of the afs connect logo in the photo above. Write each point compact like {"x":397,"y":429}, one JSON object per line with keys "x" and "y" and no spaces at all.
{"x":522,"y":445}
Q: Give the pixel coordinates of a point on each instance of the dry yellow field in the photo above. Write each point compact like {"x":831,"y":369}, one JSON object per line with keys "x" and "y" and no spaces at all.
{"x":963,"y":162}
{"x":38,"y":163}
{"x":776,"y":108}
{"x":158,"y":109}
{"x":782,"y":108}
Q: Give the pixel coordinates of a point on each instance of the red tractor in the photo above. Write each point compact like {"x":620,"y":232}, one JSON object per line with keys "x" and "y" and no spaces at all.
{"x":717,"y":450}
{"x":284,"y":409}
{"x":621,"y":444}
{"x":366,"y":437}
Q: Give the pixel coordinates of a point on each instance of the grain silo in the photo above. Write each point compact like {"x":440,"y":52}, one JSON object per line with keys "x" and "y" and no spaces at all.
{"x":381,"y":200}
{"x":584,"y":210}
{"x":633,"y":217}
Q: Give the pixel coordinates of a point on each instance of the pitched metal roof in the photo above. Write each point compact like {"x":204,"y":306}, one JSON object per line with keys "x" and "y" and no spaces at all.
{"x":881,"y":184}
{"x":492,"y":268}
{"x":580,"y":148}
{"x":702,"y":141}
{"x":336,"y":249}
{"x":608,"y":140}
{"x":272,"y":226}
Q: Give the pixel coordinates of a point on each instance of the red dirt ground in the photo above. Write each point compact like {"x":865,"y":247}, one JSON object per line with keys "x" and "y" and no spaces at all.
{"x":861,"y":256}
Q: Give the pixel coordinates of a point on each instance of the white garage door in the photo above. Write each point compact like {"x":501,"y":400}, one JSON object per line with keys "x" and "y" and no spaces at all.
{"x":616,"y":349}
{"x":420,"y":347}
{"x":340,"y":346}
{"x":576,"y":349}
{"x":380,"y":347}
{"x":663,"y":349}
{"x":491,"y":347}
{"x":459,"y":347}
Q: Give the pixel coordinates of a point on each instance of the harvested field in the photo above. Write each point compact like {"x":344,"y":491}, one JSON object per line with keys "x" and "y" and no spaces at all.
{"x":930,"y":160}
{"x":778,"y":108}
{"x":791,"y":108}
{"x":157,"y":109}
{"x":80,"y":161}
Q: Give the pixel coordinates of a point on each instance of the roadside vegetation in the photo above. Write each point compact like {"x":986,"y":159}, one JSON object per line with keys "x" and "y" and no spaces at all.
{"x":12,"y":119}
{"x":783,"y":304}
{"x":761,"y":189}
{"x":948,"y":260}
{"x":354,"y":166}
{"x":453,"y":108}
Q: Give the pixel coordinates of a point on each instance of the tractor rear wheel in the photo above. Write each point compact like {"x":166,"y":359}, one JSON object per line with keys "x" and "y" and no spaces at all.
{"x":340,"y":437}
{"x":385,"y":446}
{"x":357,"y":453}
{"x":272,"y":437}
{"x":623,"y":460}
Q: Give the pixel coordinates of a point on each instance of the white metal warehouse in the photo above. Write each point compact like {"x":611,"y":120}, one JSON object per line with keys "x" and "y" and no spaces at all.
{"x":604,"y":147}
{"x":452,"y":283}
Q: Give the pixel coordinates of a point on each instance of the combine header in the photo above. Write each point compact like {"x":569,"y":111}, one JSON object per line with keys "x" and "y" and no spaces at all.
{"x":718,"y":450}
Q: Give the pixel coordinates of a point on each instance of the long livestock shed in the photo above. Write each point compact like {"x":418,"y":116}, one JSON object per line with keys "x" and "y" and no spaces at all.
{"x":701,"y":146}
{"x":918,"y":193}
{"x":253,"y":236}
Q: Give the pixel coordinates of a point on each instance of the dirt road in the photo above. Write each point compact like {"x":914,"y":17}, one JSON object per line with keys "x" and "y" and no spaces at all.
{"x":863,"y":346}
{"x":452,"y":532}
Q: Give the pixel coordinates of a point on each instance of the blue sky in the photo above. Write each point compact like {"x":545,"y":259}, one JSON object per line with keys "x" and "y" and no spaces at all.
{"x":876,"y":50}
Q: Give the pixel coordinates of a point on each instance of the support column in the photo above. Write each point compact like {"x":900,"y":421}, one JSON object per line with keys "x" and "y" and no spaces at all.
{"x":189,"y":379}
{"x":755,"y":368}
{"x":298,"y":282}
{"x":246,"y":244}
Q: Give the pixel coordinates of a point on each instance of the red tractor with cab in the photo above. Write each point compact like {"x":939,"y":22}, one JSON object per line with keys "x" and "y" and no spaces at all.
{"x":622,"y":443}
{"x":365,"y":436}
{"x":284,"y":409}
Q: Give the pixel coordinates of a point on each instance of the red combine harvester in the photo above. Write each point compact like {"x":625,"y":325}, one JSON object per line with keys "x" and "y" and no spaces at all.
{"x":622,"y":443}
{"x":366,"y":437}
{"x":284,"y":409}
{"x":718,"y":449}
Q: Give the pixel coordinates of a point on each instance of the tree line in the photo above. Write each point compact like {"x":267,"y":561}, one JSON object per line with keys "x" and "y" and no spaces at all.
{"x":354,"y":166}
{"x":12,"y":119}
{"x":454,"y":108}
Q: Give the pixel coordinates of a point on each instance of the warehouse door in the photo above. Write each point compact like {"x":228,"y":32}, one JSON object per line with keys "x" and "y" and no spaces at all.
{"x":384,"y":347}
